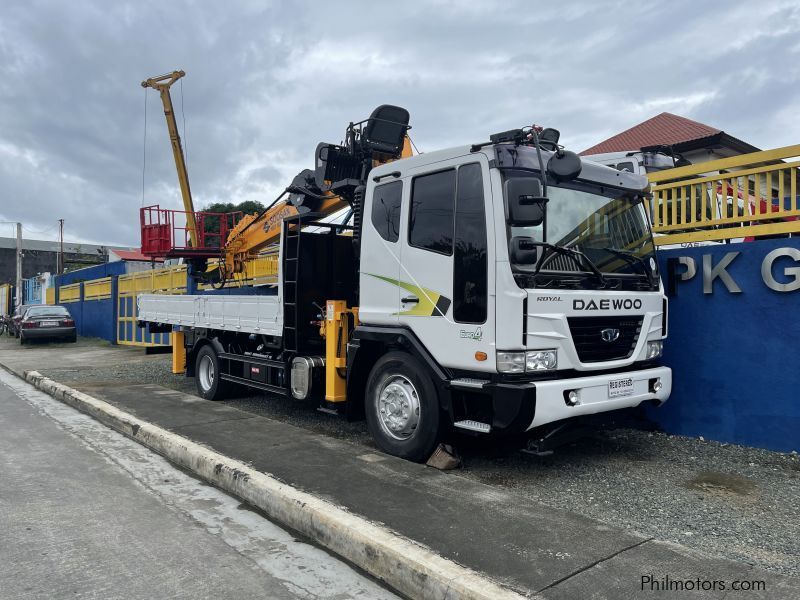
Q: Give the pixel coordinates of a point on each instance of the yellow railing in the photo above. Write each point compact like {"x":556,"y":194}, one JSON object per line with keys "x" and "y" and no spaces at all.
{"x":69,"y":293}
{"x":97,"y":289}
{"x":50,"y":295}
{"x":169,"y":280}
{"x":749,"y":195}
{"x":262,"y":270}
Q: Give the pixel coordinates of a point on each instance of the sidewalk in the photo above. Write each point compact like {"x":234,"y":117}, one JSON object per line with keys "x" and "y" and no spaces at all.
{"x":523,"y":545}
{"x":89,"y":513}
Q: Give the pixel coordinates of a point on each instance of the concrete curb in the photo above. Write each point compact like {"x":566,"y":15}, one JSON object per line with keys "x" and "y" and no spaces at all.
{"x":405,"y":565}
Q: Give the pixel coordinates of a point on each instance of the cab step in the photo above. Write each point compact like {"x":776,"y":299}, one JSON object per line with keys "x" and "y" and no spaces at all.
{"x":468,"y":383}
{"x":471,"y":425}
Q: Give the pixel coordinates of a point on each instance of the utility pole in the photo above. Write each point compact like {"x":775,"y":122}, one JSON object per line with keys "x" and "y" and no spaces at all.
{"x":61,"y":250}
{"x":19,"y":264}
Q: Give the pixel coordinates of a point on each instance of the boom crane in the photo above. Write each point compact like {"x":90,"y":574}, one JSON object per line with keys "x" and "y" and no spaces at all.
{"x":162,"y":83}
{"x":336,"y":182}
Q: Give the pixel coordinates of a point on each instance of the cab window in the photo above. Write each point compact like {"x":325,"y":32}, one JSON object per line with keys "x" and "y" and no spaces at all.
{"x":386,"y":210}
{"x":470,"y":267}
{"x":431,"y":215}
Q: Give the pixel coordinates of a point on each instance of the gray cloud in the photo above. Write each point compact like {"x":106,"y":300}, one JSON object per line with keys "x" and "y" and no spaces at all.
{"x":267,"y":81}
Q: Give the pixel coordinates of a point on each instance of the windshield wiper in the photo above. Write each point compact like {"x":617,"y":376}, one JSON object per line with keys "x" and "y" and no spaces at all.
{"x":578,"y":257}
{"x":631,"y":258}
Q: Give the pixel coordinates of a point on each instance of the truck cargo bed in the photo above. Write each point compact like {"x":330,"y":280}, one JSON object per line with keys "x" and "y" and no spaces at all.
{"x":238,"y":313}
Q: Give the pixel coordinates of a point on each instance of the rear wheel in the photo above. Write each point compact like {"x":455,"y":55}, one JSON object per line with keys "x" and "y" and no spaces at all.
{"x":402,"y":407}
{"x":21,"y":340}
{"x":206,"y":375}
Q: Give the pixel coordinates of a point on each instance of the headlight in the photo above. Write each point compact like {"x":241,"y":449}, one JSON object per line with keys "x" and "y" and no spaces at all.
{"x":541,"y":360}
{"x":654,"y":349}
{"x":532,"y":360}
{"x":510,"y":362}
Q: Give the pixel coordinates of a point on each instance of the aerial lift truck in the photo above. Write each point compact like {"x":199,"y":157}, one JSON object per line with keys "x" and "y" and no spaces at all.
{"x":501,"y":287}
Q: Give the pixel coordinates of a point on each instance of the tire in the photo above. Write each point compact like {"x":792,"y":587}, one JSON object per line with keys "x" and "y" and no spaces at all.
{"x":73,"y":339}
{"x":399,"y":384}
{"x":21,"y":340}
{"x":206,"y":375}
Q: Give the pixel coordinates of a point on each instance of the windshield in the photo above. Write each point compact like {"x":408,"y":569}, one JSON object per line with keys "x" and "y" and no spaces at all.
{"x":47,"y":311}
{"x":610,"y":228}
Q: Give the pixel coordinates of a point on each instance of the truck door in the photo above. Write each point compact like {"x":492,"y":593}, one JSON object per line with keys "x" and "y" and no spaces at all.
{"x":380,"y":254}
{"x":446,"y":275}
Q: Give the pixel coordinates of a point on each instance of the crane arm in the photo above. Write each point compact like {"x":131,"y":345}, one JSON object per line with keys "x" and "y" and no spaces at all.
{"x":162,"y":83}
{"x":255,"y":232}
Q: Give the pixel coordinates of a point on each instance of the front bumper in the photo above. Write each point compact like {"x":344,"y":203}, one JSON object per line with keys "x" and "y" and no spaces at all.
{"x":520,"y":406}
{"x":594,"y":395}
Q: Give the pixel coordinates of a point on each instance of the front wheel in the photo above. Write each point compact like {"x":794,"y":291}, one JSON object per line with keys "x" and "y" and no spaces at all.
{"x":402,"y":407}
{"x":207,"y":375}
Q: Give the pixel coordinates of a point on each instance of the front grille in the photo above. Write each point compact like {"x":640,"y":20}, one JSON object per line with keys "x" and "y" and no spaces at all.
{"x":588,"y":339}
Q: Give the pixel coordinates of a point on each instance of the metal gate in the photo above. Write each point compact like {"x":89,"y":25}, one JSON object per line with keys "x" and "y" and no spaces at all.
{"x":171,"y":280}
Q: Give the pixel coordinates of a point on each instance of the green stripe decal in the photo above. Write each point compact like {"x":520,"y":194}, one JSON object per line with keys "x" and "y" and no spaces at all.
{"x":431,"y":303}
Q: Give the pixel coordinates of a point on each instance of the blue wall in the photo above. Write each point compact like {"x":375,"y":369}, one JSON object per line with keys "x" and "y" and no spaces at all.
{"x":95,"y":318}
{"x":96,"y":272}
{"x":734,"y":355}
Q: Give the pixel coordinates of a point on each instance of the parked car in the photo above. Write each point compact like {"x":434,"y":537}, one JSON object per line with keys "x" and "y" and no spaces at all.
{"x":46,"y":322}
{"x":14,"y":320}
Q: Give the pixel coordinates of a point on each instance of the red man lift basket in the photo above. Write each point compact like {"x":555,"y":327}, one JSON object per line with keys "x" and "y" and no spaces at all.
{"x":167,"y":233}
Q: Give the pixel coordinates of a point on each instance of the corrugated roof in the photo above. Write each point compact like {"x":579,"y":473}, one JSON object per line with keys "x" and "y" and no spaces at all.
{"x":664,"y":129}
{"x":133,"y":255}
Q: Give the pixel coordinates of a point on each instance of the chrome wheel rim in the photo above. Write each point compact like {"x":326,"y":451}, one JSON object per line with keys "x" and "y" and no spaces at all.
{"x":206,"y":373}
{"x":397,"y":404}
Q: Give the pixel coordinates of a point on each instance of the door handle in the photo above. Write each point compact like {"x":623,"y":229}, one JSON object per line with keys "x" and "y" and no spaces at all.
{"x":409,"y":300}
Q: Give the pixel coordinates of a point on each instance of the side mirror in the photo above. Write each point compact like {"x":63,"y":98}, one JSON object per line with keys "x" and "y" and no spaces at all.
{"x":525,"y":201}
{"x":523,"y":251}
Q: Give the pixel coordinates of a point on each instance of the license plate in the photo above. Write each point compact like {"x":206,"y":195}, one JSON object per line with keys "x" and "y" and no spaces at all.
{"x":620,"y":387}
{"x":49,"y":324}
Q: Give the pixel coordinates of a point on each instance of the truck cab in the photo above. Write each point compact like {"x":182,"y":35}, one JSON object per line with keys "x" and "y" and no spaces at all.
{"x":519,"y":322}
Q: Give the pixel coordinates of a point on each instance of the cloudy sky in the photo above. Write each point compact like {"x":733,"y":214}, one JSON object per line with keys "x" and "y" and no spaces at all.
{"x":267,"y":81}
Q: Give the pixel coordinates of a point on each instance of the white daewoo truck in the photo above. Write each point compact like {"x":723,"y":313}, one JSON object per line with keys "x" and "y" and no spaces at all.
{"x":498,"y":287}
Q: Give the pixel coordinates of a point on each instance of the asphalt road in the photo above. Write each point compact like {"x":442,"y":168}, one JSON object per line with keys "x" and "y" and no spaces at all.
{"x":87,"y":513}
{"x":730,"y":501}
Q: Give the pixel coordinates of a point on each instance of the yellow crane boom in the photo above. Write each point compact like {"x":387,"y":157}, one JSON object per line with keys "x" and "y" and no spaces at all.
{"x":161,"y":84}
{"x":255,"y":232}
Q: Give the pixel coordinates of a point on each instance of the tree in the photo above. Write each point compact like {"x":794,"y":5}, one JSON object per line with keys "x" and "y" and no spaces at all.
{"x":211,"y":224}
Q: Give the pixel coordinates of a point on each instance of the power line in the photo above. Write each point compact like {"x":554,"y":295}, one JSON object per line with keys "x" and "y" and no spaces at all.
{"x":144,"y":144}
{"x":33,"y":231}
